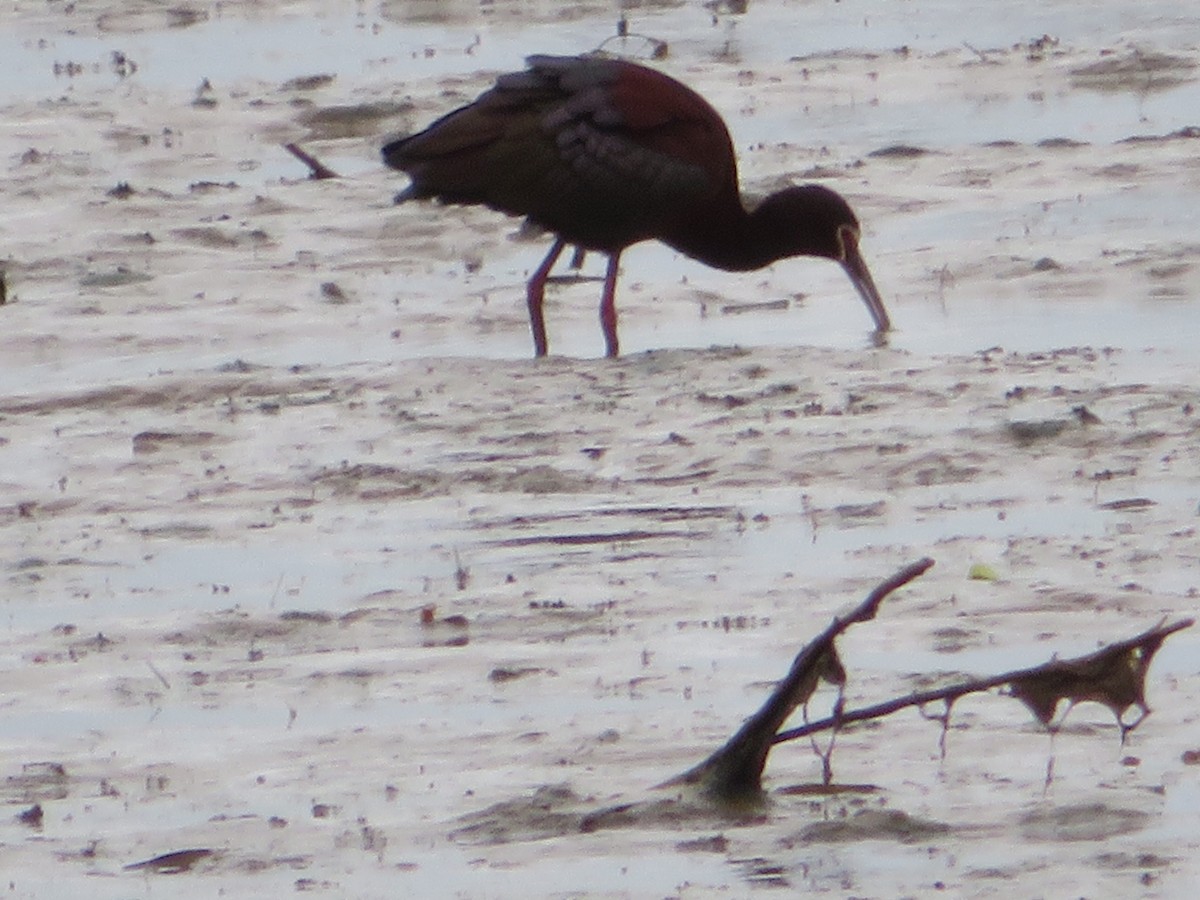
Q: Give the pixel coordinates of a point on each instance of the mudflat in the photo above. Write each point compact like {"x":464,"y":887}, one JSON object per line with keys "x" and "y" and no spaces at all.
{"x":315,"y":581}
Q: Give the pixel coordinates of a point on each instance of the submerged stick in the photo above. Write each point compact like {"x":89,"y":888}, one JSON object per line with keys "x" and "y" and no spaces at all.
{"x":316,"y":168}
{"x":733,"y":774}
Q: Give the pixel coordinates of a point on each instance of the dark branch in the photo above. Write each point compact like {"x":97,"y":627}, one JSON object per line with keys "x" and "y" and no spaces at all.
{"x":1113,"y":675}
{"x":316,"y":168}
{"x":733,"y":774}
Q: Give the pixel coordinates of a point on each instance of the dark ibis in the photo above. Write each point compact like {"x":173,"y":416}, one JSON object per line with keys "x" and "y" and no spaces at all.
{"x":605,"y":153}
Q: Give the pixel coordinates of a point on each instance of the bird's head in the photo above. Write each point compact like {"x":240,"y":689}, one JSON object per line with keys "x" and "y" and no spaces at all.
{"x":816,"y":221}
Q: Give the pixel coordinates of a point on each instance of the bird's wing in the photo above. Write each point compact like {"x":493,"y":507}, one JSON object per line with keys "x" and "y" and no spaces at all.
{"x":599,"y":150}
{"x":631,"y":131}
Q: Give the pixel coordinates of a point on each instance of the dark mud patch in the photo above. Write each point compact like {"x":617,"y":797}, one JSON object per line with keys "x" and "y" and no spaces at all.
{"x":170,"y":394}
{"x":145,"y":442}
{"x":1082,"y":822}
{"x":37,"y":782}
{"x":213,"y":238}
{"x":550,"y":811}
{"x":143,"y":16}
{"x":874,"y":825}
{"x":594,"y":537}
{"x":369,"y":481}
{"x":329,"y":123}
{"x":557,"y":811}
{"x":1140,"y":71}
{"x":117,"y":278}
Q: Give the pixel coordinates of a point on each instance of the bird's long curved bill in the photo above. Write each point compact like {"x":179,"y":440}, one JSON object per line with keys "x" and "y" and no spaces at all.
{"x":860,"y":275}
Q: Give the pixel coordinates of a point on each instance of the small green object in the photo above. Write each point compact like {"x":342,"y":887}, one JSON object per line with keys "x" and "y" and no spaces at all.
{"x":982,"y":572}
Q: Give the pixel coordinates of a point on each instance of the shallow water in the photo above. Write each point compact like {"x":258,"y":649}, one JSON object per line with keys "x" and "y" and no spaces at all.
{"x":402,"y":47}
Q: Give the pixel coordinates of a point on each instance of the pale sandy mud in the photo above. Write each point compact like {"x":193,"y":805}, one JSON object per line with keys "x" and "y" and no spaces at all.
{"x":308,"y":566}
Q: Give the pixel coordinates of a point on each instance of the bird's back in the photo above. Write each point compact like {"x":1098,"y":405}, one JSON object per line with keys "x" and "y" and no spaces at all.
{"x":603,"y":152}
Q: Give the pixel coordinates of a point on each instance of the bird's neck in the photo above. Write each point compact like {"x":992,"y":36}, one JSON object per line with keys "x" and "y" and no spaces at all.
{"x":735,"y":240}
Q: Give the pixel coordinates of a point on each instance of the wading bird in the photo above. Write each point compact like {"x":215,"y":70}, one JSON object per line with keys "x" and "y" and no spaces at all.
{"x":605,"y":153}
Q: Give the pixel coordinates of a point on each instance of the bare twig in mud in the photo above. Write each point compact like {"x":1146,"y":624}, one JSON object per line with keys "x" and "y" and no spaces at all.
{"x":1114,"y":676}
{"x":161,"y":677}
{"x":316,"y":168}
{"x":462,"y":575}
{"x":734,"y":773}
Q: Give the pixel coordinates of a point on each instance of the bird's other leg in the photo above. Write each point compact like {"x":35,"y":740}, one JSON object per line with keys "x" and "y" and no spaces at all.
{"x":536,"y":293}
{"x":608,"y":305}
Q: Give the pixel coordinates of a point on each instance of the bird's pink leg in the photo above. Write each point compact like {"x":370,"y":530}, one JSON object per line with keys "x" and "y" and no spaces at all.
{"x":608,"y":305}
{"x":536,"y":293}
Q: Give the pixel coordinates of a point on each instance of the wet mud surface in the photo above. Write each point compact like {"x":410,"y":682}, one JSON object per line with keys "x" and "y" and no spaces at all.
{"x":314,"y":581}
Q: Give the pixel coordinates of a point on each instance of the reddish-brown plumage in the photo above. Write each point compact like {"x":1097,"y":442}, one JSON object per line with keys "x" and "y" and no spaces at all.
{"x":677,"y":122}
{"x":606,"y":153}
